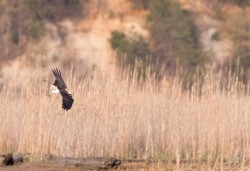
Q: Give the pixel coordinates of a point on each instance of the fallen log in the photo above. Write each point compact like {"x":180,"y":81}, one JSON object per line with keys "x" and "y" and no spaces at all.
{"x":19,"y":157}
{"x":6,"y":159}
{"x":86,"y":163}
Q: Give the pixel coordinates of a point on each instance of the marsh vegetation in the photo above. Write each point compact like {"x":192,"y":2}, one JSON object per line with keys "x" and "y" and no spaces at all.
{"x":127,"y":118}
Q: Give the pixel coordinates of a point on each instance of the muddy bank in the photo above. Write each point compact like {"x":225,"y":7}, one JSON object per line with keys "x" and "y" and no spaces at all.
{"x":14,"y":161}
{"x":135,"y":166}
{"x":49,"y":162}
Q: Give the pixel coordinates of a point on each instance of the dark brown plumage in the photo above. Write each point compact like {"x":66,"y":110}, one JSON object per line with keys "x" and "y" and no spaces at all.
{"x":67,"y":100}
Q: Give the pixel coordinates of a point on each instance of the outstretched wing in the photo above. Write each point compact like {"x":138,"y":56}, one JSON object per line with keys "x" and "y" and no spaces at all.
{"x":59,"y":83}
{"x":67,"y":100}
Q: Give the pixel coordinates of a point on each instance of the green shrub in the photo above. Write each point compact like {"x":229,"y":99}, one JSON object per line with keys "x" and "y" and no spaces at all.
{"x":129,"y":49}
{"x":140,"y":4}
{"x":119,"y":41}
{"x":239,"y":31}
{"x":241,"y":3}
{"x":2,"y":7}
{"x":15,"y":36}
{"x":33,"y":13}
{"x":174,"y":35}
{"x":37,"y":29}
{"x":132,"y":52}
{"x":50,"y":10}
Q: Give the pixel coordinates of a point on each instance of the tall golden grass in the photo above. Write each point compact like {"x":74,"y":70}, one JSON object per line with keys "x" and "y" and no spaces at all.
{"x":117,"y":116}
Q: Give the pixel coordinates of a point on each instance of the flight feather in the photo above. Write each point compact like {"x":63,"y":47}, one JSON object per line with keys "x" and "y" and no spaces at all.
{"x":67,"y":99}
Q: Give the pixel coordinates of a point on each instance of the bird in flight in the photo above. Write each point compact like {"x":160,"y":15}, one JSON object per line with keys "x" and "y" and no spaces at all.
{"x":59,"y":87}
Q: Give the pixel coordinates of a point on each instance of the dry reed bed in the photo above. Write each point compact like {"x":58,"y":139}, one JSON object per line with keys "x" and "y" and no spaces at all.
{"x":113,"y":116}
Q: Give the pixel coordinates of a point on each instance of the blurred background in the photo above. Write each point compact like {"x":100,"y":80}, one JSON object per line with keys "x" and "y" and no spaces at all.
{"x":108,"y":35}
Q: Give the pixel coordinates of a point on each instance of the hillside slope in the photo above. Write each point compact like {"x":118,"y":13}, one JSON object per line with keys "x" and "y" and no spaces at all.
{"x":84,"y":41}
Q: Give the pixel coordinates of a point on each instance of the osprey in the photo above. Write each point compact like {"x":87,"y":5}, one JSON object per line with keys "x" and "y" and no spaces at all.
{"x":59,"y":87}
